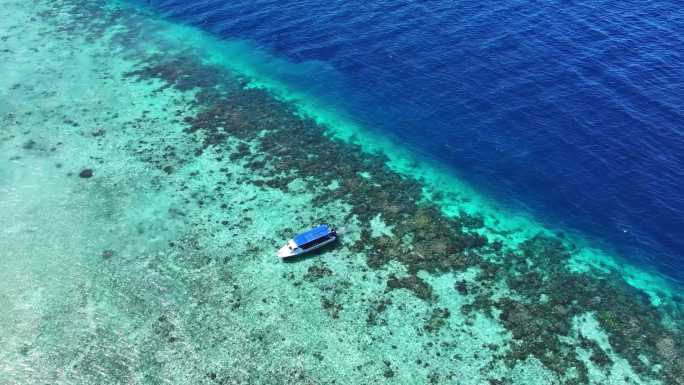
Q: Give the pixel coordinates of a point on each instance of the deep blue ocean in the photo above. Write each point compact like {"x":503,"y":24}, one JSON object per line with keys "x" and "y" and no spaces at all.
{"x":571,"y":110}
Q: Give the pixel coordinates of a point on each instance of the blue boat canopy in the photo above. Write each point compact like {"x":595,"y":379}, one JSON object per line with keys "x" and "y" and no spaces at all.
{"x":311,"y":235}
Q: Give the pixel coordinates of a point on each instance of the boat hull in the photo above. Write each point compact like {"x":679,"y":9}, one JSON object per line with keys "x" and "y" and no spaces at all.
{"x":286,"y":252}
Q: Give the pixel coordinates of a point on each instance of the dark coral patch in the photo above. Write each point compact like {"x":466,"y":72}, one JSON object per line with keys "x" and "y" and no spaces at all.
{"x":332,"y":307}
{"x":437,"y":319}
{"x":315,"y":273}
{"x":376,"y":309}
{"x":462,"y":287}
{"x":413,"y":283}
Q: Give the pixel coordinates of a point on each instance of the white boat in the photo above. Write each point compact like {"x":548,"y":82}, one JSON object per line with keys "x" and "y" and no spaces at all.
{"x":308,"y":241}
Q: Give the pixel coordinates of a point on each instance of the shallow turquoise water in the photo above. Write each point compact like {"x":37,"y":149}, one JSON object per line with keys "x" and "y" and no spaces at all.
{"x":160,"y":267}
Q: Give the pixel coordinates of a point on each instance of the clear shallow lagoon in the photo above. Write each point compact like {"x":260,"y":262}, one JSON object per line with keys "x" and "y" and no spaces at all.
{"x":157,"y":265}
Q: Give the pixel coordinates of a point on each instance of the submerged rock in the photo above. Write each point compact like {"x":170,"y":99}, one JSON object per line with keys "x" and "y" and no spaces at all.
{"x":86,"y":173}
{"x":462,"y":287}
{"x":29,"y":145}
